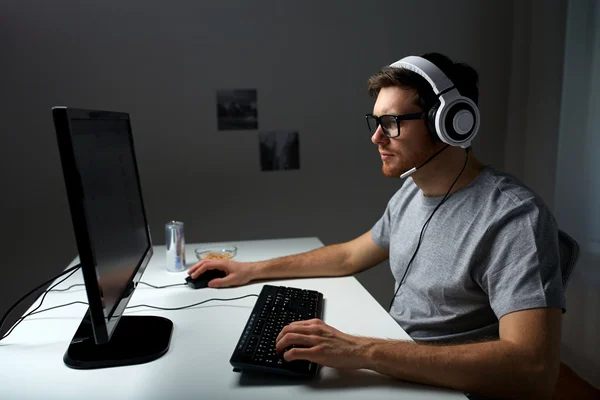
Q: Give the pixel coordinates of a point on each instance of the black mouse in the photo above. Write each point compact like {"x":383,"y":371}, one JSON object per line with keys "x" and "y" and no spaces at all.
{"x":202,"y":280}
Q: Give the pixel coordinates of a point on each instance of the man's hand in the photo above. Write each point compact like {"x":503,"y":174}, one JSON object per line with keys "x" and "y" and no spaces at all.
{"x":314,"y":340}
{"x":238,"y":273}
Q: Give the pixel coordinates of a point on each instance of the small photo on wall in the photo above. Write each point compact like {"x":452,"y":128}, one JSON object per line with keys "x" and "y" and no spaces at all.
{"x":279,"y":150}
{"x":237,"y":109}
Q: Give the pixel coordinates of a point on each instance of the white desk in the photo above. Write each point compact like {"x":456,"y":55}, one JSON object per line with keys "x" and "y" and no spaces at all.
{"x":197,"y":363}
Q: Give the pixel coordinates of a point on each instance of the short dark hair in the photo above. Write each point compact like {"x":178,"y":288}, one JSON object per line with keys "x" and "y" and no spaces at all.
{"x":464,"y":77}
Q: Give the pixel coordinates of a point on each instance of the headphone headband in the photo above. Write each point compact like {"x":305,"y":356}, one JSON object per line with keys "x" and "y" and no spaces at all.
{"x":428,"y":70}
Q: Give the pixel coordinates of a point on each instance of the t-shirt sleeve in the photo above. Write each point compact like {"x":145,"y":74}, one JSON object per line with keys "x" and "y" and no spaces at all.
{"x":520,"y":256}
{"x":380,"y":233}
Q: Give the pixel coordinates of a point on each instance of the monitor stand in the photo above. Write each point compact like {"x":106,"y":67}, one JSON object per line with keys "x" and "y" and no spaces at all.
{"x":136,"y":340}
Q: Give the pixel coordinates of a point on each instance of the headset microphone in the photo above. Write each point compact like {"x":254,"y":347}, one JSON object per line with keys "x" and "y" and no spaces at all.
{"x":413,"y":170}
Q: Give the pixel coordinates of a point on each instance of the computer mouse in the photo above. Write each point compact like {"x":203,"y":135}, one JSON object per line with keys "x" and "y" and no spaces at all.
{"x":202,"y":280}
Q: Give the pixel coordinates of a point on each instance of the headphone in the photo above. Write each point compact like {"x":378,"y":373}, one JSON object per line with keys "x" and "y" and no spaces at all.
{"x":454,"y":118}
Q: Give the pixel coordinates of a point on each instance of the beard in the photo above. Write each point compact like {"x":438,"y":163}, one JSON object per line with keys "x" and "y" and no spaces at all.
{"x":402,"y":162}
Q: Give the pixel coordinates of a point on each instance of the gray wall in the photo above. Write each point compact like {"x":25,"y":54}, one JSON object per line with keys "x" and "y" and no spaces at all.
{"x":163,"y":63}
{"x":535,"y":90}
{"x":552,"y":143}
{"x":577,"y":194}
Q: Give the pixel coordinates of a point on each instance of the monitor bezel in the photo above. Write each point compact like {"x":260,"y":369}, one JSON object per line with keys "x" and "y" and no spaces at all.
{"x":103,"y":326}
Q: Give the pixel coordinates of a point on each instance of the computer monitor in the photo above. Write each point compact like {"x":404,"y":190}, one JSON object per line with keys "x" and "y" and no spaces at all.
{"x":113,"y":238}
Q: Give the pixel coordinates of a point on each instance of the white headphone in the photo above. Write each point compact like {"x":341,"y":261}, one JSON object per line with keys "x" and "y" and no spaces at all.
{"x":454,"y":118}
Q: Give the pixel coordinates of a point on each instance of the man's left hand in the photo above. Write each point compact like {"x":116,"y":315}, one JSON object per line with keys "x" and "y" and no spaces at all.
{"x":315,"y":341}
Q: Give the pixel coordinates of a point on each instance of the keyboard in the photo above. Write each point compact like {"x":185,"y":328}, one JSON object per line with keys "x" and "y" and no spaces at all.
{"x":276,"y":307}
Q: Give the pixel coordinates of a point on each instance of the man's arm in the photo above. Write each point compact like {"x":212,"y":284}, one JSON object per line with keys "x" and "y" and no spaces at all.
{"x":523,"y":363}
{"x":334,"y":260}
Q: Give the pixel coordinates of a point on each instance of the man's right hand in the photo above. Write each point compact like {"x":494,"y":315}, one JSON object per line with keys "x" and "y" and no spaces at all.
{"x":238,"y":273}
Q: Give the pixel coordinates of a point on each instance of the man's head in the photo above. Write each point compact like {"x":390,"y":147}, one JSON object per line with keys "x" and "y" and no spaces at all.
{"x":400,"y":91}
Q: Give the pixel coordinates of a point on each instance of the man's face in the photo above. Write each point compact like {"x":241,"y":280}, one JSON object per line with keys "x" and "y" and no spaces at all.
{"x":413,"y":145}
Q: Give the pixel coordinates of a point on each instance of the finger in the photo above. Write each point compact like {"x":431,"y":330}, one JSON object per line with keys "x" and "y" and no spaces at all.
{"x":229,"y":280}
{"x":295,"y":339}
{"x":197,"y":270}
{"x":207,"y":265}
{"x":298,"y":353}
{"x":192,"y":268}
{"x":308,"y":327}
{"x":294,"y":327}
{"x":196,"y":266}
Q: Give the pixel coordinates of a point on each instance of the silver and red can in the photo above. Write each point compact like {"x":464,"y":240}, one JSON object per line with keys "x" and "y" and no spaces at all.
{"x":175,"y":241}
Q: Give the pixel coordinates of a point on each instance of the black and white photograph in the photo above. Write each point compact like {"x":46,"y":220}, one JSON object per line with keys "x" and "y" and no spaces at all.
{"x":279,"y":150}
{"x":237,"y":109}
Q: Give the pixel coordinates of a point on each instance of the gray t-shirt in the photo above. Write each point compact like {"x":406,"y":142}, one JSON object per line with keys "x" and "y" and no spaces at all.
{"x":490,"y":249}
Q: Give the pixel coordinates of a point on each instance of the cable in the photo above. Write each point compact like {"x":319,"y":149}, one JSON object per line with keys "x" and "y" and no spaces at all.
{"x":423,"y":230}
{"x":146,"y":305}
{"x":162,"y":287}
{"x":69,"y":288}
{"x":144,"y":283}
{"x":34,"y":312}
{"x":191,"y":305}
{"x":72,"y":270}
{"x":5,"y":317}
{"x":62,"y":305}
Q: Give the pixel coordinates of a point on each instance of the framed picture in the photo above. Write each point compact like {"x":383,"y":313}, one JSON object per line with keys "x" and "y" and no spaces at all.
{"x":237,"y":109}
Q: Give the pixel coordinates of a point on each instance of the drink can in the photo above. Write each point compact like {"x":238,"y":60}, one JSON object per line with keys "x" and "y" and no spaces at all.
{"x":175,"y":242}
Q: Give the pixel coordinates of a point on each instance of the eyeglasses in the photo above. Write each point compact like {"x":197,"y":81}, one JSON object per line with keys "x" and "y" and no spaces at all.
{"x":390,"y":123}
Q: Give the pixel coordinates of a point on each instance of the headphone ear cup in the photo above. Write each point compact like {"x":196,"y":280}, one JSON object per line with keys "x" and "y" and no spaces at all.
{"x":431,"y":121}
{"x":460,"y":121}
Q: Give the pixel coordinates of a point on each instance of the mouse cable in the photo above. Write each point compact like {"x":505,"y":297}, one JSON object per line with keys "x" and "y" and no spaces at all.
{"x":33,"y":312}
{"x":165,"y":286}
{"x":143,"y":283}
{"x":191,"y":305}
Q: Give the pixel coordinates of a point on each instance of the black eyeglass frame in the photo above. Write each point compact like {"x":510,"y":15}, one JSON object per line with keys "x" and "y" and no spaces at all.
{"x":397,"y":118}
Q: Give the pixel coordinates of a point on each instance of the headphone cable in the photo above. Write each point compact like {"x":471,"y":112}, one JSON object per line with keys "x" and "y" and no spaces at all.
{"x":423,"y":230}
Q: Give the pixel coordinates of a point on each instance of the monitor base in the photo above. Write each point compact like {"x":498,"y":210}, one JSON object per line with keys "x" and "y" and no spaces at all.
{"x":136,"y":340}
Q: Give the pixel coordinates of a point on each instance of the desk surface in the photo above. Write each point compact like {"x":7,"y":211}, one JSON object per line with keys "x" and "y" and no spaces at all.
{"x":197,"y":363}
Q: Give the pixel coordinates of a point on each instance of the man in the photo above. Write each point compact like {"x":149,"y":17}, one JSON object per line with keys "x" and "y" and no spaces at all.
{"x":473,"y":251}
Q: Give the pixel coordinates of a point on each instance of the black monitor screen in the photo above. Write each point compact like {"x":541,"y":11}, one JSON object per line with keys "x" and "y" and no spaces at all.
{"x":112,"y":202}
{"x":105,"y":199}
{"x":113,"y":239}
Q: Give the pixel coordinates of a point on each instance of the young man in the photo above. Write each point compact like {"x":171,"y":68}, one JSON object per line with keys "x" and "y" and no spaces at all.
{"x":474,"y":253}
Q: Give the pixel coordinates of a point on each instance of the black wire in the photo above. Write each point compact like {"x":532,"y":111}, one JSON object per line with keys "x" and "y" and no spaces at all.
{"x":62,"y":305}
{"x":69,"y":288}
{"x":146,"y":305}
{"x":162,"y":287}
{"x":423,"y":230}
{"x":191,"y":305}
{"x":33,"y":312}
{"x":144,"y":283}
{"x":72,"y":270}
{"x":4,"y":318}
{"x":434,"y":155}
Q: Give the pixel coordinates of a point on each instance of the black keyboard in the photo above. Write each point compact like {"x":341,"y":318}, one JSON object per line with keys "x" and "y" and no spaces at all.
{"x":276,"y":307}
